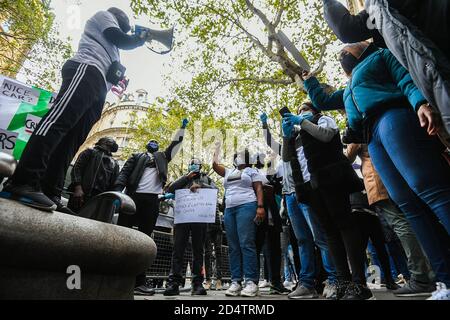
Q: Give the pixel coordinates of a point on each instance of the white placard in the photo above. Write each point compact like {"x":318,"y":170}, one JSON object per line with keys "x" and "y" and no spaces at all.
{"x":195,"y":207}
{"x":18,"y":91}
{"x":7,"y":141}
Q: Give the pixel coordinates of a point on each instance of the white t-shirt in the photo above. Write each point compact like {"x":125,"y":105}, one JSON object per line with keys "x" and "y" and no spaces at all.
{"x":150,"y":182}
{"x":239,"y":186}
{"x":90,"y":51}
{"x":303,"y":164}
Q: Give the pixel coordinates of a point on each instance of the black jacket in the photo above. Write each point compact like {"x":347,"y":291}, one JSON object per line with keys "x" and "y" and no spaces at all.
{"x":132,"y":171}
{"x":94,"y":169}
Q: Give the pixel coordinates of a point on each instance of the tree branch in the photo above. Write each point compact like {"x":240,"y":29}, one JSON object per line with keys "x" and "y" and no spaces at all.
{"x":277,"y":20}
{"x":259,"y":80}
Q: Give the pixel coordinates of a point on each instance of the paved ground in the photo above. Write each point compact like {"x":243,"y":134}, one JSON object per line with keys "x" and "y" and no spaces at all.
{"x":380,"y":294}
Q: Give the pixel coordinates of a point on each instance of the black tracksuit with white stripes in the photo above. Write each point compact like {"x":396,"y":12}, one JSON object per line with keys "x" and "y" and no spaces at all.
{"x":63,"y":130}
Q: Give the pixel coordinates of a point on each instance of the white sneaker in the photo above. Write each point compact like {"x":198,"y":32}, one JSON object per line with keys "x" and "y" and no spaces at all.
{"x":326,"y":289}
{"x":234,"y":290}
{"x":250,"y":289}
{"x":288,"y":285}
{"x":329,"y":290}
{"x":264,"y":284}
{"x":441,"y":293}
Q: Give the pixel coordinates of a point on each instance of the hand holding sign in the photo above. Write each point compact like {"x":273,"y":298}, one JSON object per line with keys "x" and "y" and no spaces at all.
{"x":195,"y":207}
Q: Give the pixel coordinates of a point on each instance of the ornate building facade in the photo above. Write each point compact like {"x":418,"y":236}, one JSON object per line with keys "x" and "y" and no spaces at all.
{"x":116,"y":118}
{"x":355,"y":6}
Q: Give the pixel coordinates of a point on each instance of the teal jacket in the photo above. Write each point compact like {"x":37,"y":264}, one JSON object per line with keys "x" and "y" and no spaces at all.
{"x":378,"y":83}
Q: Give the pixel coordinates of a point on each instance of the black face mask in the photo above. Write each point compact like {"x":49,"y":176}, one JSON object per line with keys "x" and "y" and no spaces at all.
{"x":153,"y":146}
{"x":348,"y":62}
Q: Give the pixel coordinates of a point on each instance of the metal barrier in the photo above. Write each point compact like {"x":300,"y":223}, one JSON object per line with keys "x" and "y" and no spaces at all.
{"x":161,"y":266}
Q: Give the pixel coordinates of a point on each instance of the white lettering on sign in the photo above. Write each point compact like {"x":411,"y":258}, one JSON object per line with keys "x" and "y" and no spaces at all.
{"x":31,"y":123}
{"x":19,"y":92}
{"x":8,"y":141}
{"x":195,"y":207}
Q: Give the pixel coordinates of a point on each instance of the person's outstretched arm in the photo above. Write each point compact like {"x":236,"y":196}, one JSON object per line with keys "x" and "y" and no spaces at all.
{"x":322,"y":100}
{"x":218,"y":168}
{"x":322,"y":131}
{"x":122,"y":40}
{"x":175,"y":146}
{"x":347,"y":27}
{"x":271,"y":142}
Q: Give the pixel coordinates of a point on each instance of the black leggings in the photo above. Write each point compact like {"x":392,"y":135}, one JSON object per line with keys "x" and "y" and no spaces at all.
{"x":370,"y":227}
{"x":271,"y":236}
{"x":332,"y":206}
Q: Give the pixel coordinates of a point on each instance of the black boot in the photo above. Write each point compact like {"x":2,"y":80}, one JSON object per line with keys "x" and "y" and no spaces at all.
{"x":145,"y":289}
{"x":198,"y":290}
{"x":172,"y":289}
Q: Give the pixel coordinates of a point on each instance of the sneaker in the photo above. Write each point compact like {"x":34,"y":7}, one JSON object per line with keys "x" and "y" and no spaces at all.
{"x":358,"y":292}
{"x":218,"y":285}
{"x":303,"y":293}
{"x":414,"y":289}
{"x":329,"y":291}
{"x":60,"y":207}
{"x":208,"y":285}
{"x":278,"y":289}
{"x":441,"y":293}
{"x":288,"y":284}
{"x":234,"y":290}
{"x":144,"y":290}
{"x":264,"y":284}
{"x":172,"y":289}
{"x":339,"y":290}
{"x":392,"y":286}
{"x":28,"y":195}
{"x":401,"y":280}
{"x":198,"y":290}
{"x":250,"y":289}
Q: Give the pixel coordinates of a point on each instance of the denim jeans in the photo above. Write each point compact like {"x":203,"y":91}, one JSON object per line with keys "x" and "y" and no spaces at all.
{"x":320,"y":240}
{"x":417,"y":179}
{"x":241,"y":236}
{"x":305,"y":241}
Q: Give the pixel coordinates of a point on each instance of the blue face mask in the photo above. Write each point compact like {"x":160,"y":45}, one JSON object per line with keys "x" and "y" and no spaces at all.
{"x":194,"y":168}
{"x":152,"y":147}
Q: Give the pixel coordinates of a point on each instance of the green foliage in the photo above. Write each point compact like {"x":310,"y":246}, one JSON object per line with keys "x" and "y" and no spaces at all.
{"x":225,"y":66}
{"x":30,"y":43}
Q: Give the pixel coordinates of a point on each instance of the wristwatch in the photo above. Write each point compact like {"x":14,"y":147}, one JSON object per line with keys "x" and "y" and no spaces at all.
{"x":262,"y":207}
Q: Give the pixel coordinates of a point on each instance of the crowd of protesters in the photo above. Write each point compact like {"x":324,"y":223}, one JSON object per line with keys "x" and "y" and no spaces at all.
{"x":317,"y":224}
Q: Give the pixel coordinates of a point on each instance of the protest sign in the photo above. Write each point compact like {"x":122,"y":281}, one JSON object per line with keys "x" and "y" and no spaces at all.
{"x":195,"y":207}
{"x":21,"y":108}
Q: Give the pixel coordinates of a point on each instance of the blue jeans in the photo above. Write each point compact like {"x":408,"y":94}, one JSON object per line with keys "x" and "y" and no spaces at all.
{"x":417,"y":179}
{"x":241,"y":236}
{"x":305,"y":241}
{"x":320,"y":240}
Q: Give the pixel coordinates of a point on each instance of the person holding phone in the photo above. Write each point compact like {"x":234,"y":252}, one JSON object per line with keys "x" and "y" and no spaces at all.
{"x":244,"y":200}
